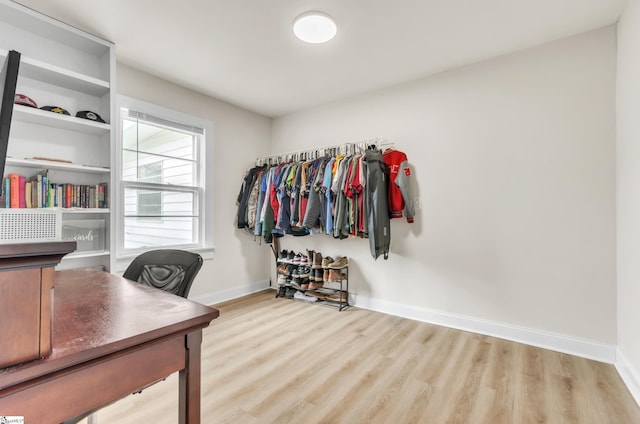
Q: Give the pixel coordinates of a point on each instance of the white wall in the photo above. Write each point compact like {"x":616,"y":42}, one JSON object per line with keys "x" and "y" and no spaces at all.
{"x":238,"y":264}
{"x":628,"y":199}
{"x":515,"y":168}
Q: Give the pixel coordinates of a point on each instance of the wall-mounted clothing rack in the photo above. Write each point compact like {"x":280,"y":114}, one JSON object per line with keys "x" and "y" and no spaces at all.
{"x":348,"y":148}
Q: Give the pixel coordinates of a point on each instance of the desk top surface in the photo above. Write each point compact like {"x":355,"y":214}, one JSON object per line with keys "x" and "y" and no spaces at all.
{"x":96,"y":313}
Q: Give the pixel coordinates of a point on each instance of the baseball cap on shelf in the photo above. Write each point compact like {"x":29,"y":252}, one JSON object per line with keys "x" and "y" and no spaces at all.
{"x":56,"y":109}
{"x":92,"y":116}
{"x":21,"y":99}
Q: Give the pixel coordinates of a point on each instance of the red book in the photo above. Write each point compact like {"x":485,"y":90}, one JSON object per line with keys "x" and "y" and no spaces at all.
{"x":67,"y":188}
{"x":14,"y":181}
{"x":22,"y":183}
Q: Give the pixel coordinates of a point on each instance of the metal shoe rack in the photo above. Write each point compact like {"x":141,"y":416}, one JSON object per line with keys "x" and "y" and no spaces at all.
{"x":301,"y":281}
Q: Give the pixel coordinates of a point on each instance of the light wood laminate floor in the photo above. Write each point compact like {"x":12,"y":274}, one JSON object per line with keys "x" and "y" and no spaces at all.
{"x":268,"y":360}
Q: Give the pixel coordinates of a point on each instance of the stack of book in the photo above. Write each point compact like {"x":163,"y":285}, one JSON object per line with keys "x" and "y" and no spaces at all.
{"x":39,"y":192}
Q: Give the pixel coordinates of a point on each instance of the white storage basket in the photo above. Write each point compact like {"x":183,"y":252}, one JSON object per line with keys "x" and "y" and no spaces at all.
{"x":30,"y":225}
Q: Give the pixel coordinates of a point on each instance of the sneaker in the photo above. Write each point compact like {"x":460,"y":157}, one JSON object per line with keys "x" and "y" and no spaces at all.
{"x":302,"y":296}
{"x":317,"y":261}
{"x":294,"y":273}
{"x":304,"y":260}
{"x":310,"y":256}
{"x":295,"y":283}
{"x":290,"y":257}
{"x":326,"y":261}
{"x":319,"y":275}
{"x":325,"y":275}
{"x":340,"y":262}
{"x":282,"y":256}
{"x":296,"y":259}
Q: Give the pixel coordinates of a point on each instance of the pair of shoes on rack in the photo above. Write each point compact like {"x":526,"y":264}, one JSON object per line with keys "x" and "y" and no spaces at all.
{"x":317,"y":261}
{"x":315,"y":284}
{"x":300,"y":259}
{"x":302,"y":271}
{"x":316,"y":275}
{"x":286,"y":269}
{"x":316,"y":294}
{"x":290,"y":292}
{"x":340,"y":296}
{"x":335,"y":276}
{"x":303,"y":296}
{"x":340,"y":262}
{"x":326,"y":261}
{"x":282,"y":256}
{"x":286,"y":256}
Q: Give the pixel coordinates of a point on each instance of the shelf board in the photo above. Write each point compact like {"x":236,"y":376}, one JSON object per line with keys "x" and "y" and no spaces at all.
{"x":71,"y":211}
{"x":51,"y":74}
{"x":49,"y":28}
{"x":84,"y":210}
{"x":60,"y":166}
{"x":51,"y":119}
{"x":79,"y":255}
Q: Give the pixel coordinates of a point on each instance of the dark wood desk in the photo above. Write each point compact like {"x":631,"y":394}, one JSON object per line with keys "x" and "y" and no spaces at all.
{"x":111,"y":337}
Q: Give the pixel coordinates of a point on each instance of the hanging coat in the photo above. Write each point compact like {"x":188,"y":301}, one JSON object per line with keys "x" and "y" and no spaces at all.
{"x":376,"y":186}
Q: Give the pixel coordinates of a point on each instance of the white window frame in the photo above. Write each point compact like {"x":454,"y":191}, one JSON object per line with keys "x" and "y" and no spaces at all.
{"x":205,"y":178}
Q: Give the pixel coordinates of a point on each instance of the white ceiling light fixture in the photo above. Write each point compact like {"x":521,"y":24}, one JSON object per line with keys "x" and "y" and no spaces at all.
{"x":314,"y":27}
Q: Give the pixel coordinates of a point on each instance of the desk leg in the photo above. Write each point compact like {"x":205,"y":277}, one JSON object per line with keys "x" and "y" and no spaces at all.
{"x":189,"y":380}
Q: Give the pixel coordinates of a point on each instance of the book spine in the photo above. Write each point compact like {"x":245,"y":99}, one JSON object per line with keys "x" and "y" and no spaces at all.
{"x":27,"y":194}
{"x":22,"y":182}
{"x":39,"y":190}
{"x":53,"y":202}
{"x":15,"y":190}
{"x":34,"y":194}
{"x":106,"y":195}
{"x":68,"y":195}
{"x":7,"y":190}
{"x":3,"y":195}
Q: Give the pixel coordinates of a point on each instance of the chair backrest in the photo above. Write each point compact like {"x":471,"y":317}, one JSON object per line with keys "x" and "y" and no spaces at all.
{"x":170,"y":270}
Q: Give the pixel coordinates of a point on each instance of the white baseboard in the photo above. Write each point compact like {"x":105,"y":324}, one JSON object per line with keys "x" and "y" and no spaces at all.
{"x":629,"y":375}
{"x":228,"y":294}
{"x":560,"y":343}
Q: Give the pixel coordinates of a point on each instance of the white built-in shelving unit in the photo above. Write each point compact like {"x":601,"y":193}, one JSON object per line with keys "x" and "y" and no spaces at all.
{"x":61,"y":66}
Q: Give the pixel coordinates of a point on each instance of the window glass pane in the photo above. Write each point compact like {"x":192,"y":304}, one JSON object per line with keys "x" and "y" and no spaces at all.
{"x":142,"y":232}
{"x":159,"y":203}
{"x":129,"y":134}
{"x":151,"y":138}
{"x":157,"y":169}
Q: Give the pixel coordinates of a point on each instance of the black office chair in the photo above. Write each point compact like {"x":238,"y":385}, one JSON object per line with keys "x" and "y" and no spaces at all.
{"x":170,"y":270}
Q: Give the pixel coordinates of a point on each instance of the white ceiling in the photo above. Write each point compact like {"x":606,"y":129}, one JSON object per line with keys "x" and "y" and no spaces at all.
{"x":244,"y":51}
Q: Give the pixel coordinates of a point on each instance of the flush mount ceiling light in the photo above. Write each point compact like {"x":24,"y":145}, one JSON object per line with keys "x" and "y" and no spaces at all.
{"x":314,"y":27}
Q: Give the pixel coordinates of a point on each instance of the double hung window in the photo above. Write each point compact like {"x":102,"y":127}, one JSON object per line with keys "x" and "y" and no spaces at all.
{"x":161,"y":183}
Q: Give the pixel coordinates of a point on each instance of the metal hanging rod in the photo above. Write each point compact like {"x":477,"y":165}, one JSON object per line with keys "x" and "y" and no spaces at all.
{"x":351,"y":147}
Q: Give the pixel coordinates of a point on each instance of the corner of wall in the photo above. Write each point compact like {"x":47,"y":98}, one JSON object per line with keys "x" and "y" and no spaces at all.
{"x":212,"y":298}
{"x":630,"y":376}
